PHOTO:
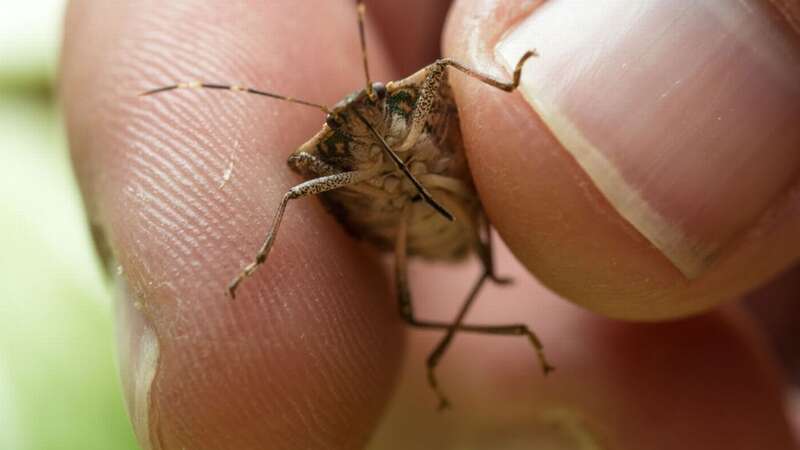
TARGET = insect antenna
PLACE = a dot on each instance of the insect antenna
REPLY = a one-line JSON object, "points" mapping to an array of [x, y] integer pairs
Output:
{"points": [[235, 88], [361, 12], [403, 168]]}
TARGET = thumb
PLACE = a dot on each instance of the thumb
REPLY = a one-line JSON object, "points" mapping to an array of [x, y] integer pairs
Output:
{"points": [[650, 167]]}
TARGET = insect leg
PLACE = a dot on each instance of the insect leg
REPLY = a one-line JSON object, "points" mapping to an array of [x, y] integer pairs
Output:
{"points": [[406, 308], [310, 187], [499, 84], [433, 76], [441, 347], [308, 163], [458, 325], [486, 253], [407, 313]]}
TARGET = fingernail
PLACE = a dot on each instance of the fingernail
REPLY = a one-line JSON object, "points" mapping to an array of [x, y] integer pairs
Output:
{"points": [[138, 359], [686, 116]]}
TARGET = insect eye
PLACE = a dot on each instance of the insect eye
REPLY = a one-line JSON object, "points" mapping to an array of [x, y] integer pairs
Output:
{"points": [[333, 121], [380, 90]]}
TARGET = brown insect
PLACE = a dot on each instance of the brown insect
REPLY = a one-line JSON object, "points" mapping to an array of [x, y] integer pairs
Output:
{"points": [[389, 164]]}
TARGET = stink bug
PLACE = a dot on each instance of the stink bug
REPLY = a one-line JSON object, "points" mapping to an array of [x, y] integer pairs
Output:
{"points": [[389, 163]]}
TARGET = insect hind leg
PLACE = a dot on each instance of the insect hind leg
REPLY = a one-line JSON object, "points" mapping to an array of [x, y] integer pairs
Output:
{"points": [[486, 254], [407, 313]]}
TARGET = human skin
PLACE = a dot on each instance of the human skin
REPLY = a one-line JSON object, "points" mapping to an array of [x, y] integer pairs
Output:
{"points": [[309, 353]]}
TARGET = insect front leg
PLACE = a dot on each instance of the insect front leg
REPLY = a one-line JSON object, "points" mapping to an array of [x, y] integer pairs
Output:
{"points": [[431, 78], [310, 187], [308, 163]]}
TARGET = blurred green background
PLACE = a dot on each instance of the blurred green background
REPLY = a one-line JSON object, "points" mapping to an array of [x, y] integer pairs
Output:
{"points": [[59, 388]]}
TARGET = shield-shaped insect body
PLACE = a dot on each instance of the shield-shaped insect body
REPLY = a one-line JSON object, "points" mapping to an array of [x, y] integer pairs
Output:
{"points": [[389, 164]]}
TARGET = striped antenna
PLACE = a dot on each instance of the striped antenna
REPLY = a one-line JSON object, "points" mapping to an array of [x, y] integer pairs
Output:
{"points": [[361, 12]]}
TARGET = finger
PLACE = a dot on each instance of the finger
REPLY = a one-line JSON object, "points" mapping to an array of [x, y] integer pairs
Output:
{"points": [[412, 30], [701, 383], [653, 170], [184, 185], [777, 310]]}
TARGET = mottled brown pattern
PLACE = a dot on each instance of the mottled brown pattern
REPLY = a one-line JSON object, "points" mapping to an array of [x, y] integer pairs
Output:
{"points": [[372, 210]]}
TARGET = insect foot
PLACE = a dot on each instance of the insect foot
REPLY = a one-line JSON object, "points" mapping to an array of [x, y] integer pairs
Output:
{"points": [[444, 403]]}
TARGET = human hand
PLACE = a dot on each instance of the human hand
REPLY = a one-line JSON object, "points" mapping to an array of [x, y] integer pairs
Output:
{"points": [[308, 353]]}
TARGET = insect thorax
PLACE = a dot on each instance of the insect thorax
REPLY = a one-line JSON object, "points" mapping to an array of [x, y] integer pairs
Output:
{"points": [[372, 210]]}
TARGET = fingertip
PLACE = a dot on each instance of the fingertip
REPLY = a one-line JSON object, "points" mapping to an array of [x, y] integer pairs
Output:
{"points": [[411, 30], [560, 209], [184, 185]]}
